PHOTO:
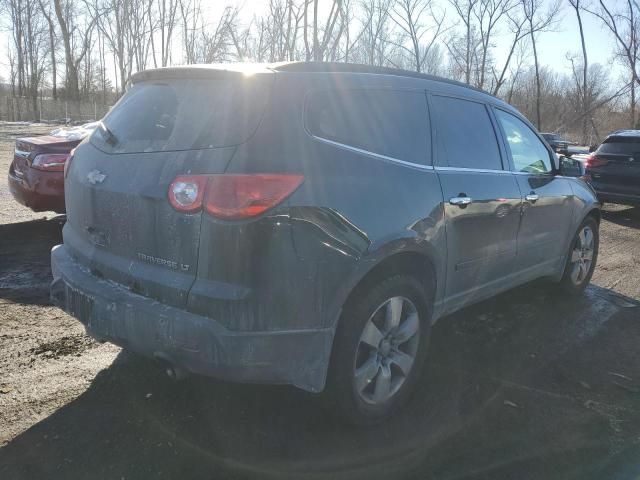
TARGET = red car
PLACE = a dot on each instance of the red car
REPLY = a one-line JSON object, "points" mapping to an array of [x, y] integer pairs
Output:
{"points": [[36, 175]]}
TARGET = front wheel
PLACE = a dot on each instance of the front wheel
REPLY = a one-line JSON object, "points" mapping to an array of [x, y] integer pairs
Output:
{"points": [[379, 349], [581, 258]]}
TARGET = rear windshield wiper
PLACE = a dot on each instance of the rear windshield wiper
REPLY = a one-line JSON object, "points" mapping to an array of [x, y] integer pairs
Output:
{"points": [[111, 138]]}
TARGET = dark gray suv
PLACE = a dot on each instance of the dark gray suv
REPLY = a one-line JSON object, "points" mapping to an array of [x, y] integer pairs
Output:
{"points": [[306, 223]]}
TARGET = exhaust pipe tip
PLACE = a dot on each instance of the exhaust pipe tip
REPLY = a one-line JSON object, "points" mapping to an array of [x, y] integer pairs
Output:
{"points": [[173, 371]]}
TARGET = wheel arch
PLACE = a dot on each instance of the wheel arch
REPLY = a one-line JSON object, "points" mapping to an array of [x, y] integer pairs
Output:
{"points": [[411, 262], [595, 213]]}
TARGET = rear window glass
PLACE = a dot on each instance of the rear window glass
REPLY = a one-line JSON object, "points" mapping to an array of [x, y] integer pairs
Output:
{"points": [[466, 138], [387, 122], [185, 114], [621, 145]]}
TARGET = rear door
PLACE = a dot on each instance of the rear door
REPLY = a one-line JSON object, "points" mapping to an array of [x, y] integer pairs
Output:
{"points": [[120, 221], [617, 168], [481, 200], [547, 208]]}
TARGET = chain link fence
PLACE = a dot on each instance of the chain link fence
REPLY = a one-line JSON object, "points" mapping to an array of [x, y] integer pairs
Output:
{"points": [[48, 110]]}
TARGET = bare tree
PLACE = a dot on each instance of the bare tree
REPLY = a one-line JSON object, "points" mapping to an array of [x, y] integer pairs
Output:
{"points": [[416, 19], [162, 21], [15, 10], [280, 29], [462, 50], [535, 18], [29, 49], [190, 16], [623, 25], [69, 30], [48, 15], [488, 13], [322, 37], [517, 26], [373, 41], [581, 86]]}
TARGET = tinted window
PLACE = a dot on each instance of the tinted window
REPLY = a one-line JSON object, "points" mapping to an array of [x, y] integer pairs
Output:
{"points": [[465, 134], [386, 122], [184, 114], [527, 150], [620, 145]]}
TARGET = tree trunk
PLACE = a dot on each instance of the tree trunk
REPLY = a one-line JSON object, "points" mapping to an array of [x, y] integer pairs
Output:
{"points": [[54, 73], [316, 46], [585, 68], [467, 76], [632, 124], [538, 86], [72, 71]]}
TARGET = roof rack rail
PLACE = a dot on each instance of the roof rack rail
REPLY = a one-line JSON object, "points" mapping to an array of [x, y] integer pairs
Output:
{"points": [[341, 67], [625, 132]]}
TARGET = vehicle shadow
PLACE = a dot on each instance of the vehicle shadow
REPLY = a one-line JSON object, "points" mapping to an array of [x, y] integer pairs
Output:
{"points": [[626, 217], [25, 270], [527, 385]]}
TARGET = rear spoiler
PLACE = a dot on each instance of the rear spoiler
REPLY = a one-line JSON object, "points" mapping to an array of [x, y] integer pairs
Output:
{"points": [[201, 71]]}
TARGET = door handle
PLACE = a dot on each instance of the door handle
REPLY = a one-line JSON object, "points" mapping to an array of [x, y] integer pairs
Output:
{"points": [[532, 197], [461, 201]]}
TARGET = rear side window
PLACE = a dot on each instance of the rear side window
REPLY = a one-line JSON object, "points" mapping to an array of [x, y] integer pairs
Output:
{"points": [[184, 114], [386, 122], [466, 138], [620, 145]]}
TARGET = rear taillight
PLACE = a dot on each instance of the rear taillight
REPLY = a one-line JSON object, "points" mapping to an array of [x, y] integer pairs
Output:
{"points": [[67, 164], [231, 197], [52, 162], [594, 161], [243, 196]]}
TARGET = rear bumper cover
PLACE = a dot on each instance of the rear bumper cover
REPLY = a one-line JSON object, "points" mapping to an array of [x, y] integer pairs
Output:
{"points": [[192, 342], [615, 197], [40, 191]]}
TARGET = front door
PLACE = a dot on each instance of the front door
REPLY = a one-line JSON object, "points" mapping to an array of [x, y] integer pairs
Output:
{"points": [[547, 207], [481, 200]]}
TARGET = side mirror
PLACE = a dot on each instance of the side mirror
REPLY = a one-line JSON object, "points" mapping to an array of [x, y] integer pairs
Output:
{"points": [[570, 167]]}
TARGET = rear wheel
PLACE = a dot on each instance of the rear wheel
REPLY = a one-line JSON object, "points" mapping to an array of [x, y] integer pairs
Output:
{"points": [[581, 258], [379, 349]]}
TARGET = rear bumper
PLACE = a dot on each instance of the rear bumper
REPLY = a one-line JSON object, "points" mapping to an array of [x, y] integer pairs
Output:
{"points": [[620, 198], [192, 342], [40, 191]]}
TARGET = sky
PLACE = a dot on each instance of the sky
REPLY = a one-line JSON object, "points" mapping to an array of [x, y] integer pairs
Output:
{"points": [[553, 46]]}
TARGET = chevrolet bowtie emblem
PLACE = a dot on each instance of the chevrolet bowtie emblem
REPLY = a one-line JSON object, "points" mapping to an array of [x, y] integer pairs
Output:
{"points": [[95, 176]]}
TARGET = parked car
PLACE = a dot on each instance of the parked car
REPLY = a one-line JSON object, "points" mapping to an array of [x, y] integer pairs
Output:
{"points": [[557, 143], [613, 170], [306, 223], [36, 176]]}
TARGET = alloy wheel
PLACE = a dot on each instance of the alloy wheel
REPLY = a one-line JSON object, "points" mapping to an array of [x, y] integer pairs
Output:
{"points": [[387, 350], [582, 255]]}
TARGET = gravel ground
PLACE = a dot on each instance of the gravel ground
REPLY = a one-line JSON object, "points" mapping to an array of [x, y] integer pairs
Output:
{"points": [[526, 385]]}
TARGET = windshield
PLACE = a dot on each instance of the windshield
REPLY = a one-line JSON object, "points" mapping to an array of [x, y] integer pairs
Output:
{"points": [[183, 115]]}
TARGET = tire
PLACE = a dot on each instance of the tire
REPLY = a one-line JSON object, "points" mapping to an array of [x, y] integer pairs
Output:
{"points": [[375, 365], [581, 258]]}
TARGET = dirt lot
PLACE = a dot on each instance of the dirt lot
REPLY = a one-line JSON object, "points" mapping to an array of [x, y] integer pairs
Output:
{"points": [[527, 385]]}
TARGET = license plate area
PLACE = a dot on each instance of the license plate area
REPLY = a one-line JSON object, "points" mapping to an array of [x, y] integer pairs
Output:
{"points": [[79, 304]]}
